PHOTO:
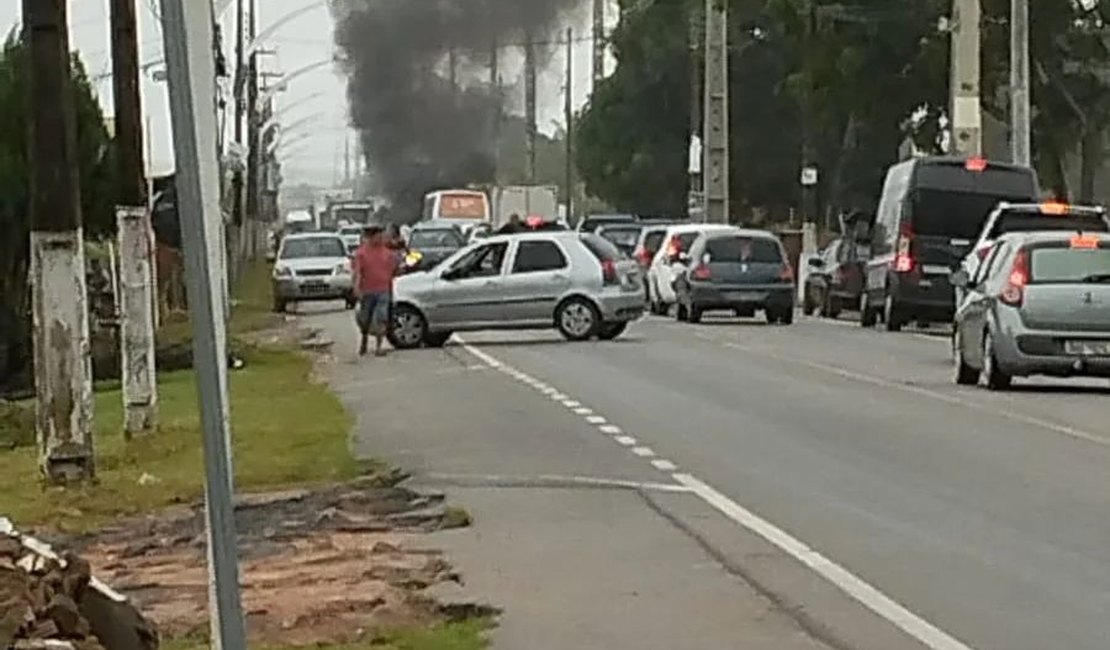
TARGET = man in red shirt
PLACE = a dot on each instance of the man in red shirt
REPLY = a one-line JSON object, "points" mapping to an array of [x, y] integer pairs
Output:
{"points": [[375, 265]]}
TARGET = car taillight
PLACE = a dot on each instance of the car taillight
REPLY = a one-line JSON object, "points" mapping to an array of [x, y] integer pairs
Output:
{"points": [[1014, 292], [643, 256], [702, 272], [609, 272], [787, 273], [903, 260]]}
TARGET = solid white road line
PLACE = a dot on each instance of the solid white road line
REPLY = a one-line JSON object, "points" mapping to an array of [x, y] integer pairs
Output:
{"points": [[544, 480], [869, 596]]}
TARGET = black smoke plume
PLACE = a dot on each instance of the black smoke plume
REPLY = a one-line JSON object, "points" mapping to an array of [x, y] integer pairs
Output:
{"points": [[419, 132]]}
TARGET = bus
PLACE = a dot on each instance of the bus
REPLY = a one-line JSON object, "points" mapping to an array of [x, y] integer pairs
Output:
{"points": [[463, 205]]}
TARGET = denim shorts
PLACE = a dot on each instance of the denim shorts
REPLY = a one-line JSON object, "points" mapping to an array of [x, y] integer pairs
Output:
{"points": [[373, 309]]}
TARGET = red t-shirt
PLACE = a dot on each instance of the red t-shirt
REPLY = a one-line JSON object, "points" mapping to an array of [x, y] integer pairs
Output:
{"points": [[376, 267]]}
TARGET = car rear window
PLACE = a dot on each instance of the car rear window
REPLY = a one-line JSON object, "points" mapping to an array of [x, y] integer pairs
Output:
{"points": [[313, 247], [602, 248], [956, 215], [653, 240], [622, 236], [1013, 221], [954, 176], [1051, 264], [756, 250]]}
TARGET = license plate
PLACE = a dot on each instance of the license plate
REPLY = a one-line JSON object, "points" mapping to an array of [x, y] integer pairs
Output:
{"points": [[315, 286], [935, 269], [746, 296], [1088, 348]]}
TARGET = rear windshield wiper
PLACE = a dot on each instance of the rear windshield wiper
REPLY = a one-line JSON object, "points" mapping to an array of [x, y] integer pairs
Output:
{"points": [[1096, 278]]}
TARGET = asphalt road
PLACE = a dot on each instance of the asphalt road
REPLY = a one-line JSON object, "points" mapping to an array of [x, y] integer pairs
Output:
{"points": [[908, 508]]}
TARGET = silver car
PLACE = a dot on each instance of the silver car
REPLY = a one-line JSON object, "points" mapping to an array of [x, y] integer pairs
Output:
{"points": [[1038, 305], [577, 283], [312, 267]]}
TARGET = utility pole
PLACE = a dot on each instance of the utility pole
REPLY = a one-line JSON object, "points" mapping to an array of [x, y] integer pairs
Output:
{"points": [[136, 295], [495, 107], [965, 111], [808, 176], [63, 368], [347, 159], [240, 102], [253, 123], [568, 116], [187, 29], [598, 41], [716, 127], [1020, 128], [695, 201], [530, 104]]}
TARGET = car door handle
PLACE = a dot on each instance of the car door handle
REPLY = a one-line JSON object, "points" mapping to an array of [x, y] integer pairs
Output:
{"points": [[558, 277]]}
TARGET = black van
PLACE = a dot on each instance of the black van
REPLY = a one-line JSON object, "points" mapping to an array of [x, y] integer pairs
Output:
{"points": [[930, 214]]}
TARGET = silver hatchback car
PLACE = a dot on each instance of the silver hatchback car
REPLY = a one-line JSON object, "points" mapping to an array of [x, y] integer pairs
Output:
{"points": [[578, 283], [1038, 305], [312, 267]]}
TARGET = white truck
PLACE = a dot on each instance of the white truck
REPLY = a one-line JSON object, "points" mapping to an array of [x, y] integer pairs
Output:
{"points": [[525, 201]]}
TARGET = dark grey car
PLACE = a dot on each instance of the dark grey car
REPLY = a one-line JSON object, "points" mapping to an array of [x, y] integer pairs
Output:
{"points": [[743, 271]]}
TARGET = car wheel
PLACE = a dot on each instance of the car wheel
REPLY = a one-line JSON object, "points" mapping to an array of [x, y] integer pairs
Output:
{"points": [[577, 319], [279, 306], [866, 313], [965, 374], [892, 315], [352, 302], [437, 339], [610, 331], [680, 313], [786, 317], [992, 375], [832, 308], [693, 314], [808, 306], [408, 328]]}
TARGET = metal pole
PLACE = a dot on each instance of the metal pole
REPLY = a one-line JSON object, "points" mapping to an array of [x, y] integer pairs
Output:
{"points": [[59, 307], [965, 112], [598, 41], [568, 116], [530, 105], [188, 37], [716, 146], [1020, 129]]}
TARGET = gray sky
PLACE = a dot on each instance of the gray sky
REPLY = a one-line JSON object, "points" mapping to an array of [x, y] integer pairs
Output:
{"points": [[318, 97]]}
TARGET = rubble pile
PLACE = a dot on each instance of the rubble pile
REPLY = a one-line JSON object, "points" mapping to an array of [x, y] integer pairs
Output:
{"points": [[39, 601]]}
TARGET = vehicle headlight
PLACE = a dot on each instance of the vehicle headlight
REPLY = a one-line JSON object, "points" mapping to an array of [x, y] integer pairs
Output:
{"points": [[283, 272], [343, 268], [413, 258]]}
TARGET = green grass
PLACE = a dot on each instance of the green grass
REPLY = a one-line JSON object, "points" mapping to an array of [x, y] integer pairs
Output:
{"points": [[465, 635], [286, 430]]}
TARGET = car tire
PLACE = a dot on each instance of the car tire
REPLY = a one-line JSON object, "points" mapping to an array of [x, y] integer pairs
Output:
{"points": [[610, 331], [867, 316], [892, 315], [680, 313], [786, 317], [437, 339], [831, 308], [965, 374], [408, 328], [351, 302], [694, 313], [808, 306], [993, 376], [577, 319], [279, 306]]}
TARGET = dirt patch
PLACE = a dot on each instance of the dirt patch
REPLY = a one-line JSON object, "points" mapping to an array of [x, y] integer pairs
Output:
{"points": [[330, 565]]}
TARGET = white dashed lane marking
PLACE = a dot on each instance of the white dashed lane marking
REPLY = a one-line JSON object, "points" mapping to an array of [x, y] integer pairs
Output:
{"points": [[863, 592]]}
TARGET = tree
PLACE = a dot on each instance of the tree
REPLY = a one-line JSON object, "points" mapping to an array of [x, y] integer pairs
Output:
{"points": [[97, 182]]}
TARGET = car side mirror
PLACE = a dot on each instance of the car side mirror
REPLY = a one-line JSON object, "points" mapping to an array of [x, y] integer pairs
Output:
{"points": [[960, 278]]}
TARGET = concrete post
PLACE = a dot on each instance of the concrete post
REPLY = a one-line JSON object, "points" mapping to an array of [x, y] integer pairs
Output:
{"points": [[716, 126], [140, 390], [965, 110]]}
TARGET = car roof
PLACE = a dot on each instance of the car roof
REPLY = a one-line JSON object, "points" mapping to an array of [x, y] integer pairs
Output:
{"points": [[311, 235], [698, 227], [1051, 236], [632, 225], [560, 235], [742, 232], [1036, 208]]}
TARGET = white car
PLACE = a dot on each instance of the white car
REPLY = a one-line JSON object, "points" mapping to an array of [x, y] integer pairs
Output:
{"points": [[670, 262]]}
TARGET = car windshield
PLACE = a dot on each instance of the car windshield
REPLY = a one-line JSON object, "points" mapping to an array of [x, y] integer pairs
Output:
{"points": [[351, 231], [313, 247], [753, 250], [603, 249], [1060, 264], [438, 238]]}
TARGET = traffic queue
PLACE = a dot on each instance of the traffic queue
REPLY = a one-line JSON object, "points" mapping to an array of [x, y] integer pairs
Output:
{"points": [[967, 243]]}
